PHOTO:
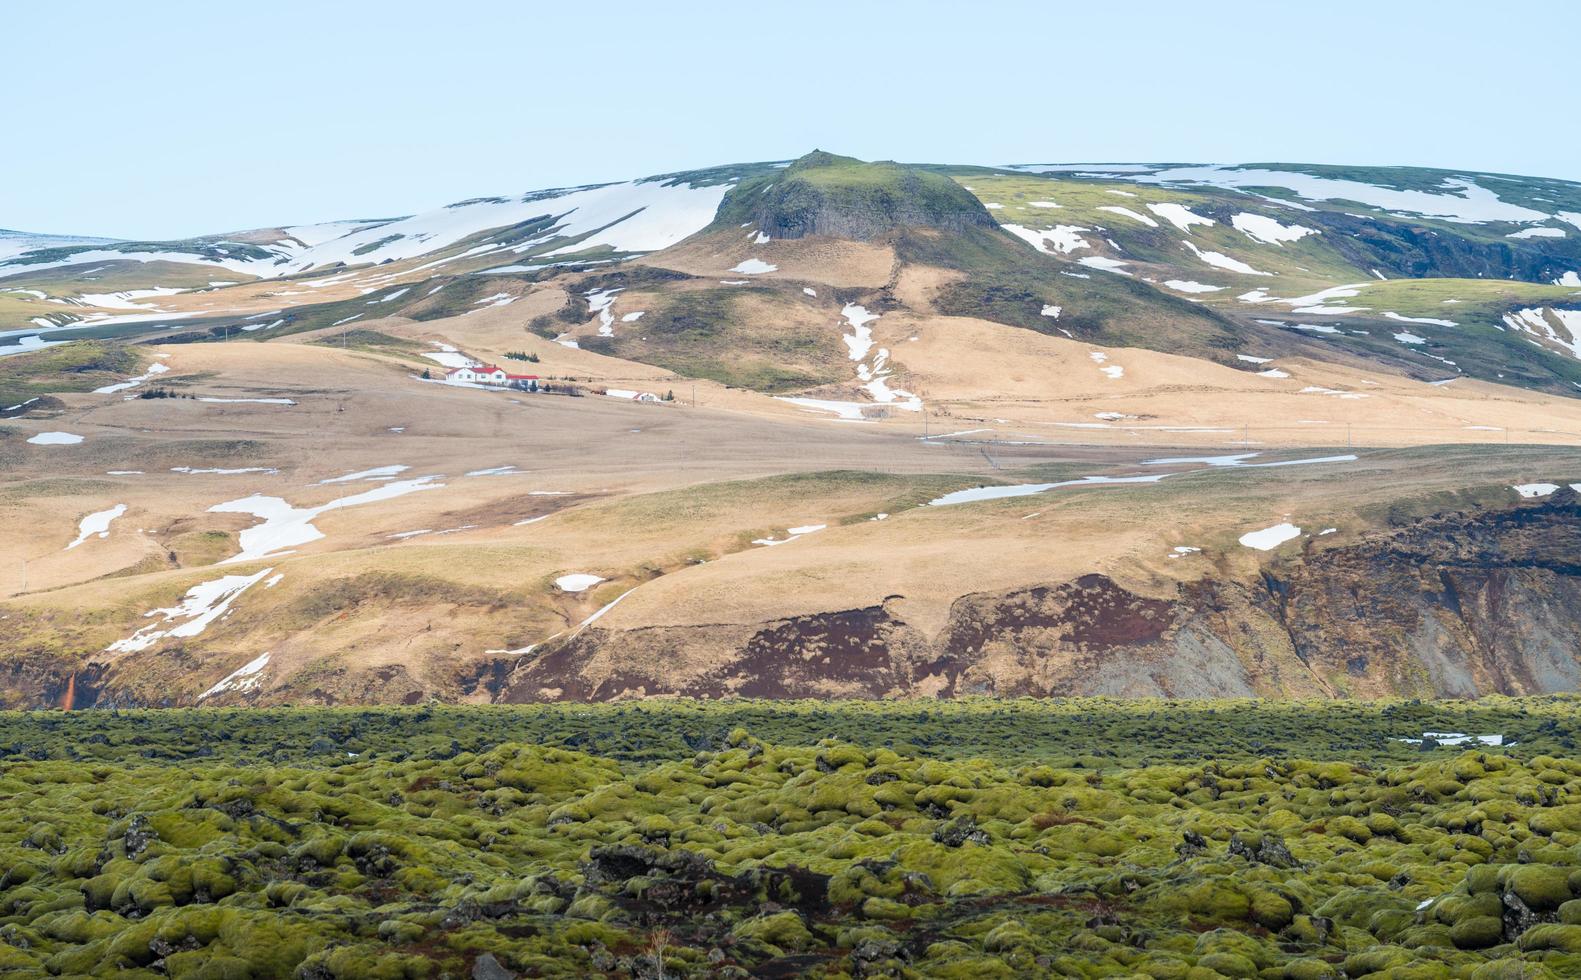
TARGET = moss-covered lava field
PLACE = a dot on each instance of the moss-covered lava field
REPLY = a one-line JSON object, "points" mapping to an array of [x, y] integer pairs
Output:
{"points": [[1076, 838]]}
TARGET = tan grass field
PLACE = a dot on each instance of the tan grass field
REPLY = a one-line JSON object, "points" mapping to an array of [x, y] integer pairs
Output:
{"points": [[665, 501]]}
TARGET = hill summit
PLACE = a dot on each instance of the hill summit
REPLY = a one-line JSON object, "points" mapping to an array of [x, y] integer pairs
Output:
{"points": [[842, 197]]}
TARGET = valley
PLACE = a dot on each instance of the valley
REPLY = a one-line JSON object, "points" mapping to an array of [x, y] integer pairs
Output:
{"points": [[845, 491], [825, 429]]}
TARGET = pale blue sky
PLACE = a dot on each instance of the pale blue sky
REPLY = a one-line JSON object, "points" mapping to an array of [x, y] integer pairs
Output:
{"points": [[170, 119]]}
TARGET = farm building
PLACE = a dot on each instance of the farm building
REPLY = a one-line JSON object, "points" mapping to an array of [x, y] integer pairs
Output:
{"points": [[490, 374]]}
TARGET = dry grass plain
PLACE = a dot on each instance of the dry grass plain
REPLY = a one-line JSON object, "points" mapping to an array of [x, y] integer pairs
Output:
{"points": [[664, 502]]}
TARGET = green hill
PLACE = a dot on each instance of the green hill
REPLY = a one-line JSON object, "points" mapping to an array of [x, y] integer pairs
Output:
{"points": [[825, 194]]}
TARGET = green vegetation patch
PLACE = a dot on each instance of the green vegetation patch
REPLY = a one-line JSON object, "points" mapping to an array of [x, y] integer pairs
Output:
{"points": [[732, 335], [825, 194], [431, 842], [79, 366], [371, 340], [1007, 282]]}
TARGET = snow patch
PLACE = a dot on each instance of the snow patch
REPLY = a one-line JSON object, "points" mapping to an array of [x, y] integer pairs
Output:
{"points": [[1460, 738], [1420, 319], [244, 678], [633, 216], [1058, 240], [1266, 231], [1128, 213], [1270, 538], [577, 582], [507, 470], [1541, 489], [1561, 328], [1027, 489], [1221, 261], [1188, 286], [286, 527], [153, 369], [249, 401], [96, 524], [1106, 264], [1179, 215], [203, 604], [1465, 200], [1239, 460], [754, 267], [377, 473], [792, 534]]}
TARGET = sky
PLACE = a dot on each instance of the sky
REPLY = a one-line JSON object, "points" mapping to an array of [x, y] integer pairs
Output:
{"points": [[167, 119]]}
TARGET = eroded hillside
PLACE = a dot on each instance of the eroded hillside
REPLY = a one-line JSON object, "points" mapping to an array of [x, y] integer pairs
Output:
{"points": [[1453, 605]]}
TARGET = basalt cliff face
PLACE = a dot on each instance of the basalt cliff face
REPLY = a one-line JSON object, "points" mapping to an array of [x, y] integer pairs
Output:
{"points": [[1453, 605]]}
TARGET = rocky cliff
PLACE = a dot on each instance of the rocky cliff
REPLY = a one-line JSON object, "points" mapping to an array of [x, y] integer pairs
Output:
{"points": [[1453, 605]]}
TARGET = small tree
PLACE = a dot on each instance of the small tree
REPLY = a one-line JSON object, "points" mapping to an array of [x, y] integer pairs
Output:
{"points": [[669, 396], [426, 376]]}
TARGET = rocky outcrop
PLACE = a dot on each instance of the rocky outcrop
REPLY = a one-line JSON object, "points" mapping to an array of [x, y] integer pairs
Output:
{"points": [[1456, 605], [1410, 251], [862, 652], [1453, 605], [45, 679]]}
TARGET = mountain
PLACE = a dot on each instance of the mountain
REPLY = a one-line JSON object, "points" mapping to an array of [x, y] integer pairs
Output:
{"points": [[1435, 273], [812, 428], [21, 242]]}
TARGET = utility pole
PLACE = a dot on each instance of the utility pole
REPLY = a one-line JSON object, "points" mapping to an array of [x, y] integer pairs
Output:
{"points": [[694, 394], [1347, 435]]}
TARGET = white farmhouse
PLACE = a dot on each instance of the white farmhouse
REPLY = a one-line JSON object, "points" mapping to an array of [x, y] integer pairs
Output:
{"points": [[490, 374]]}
